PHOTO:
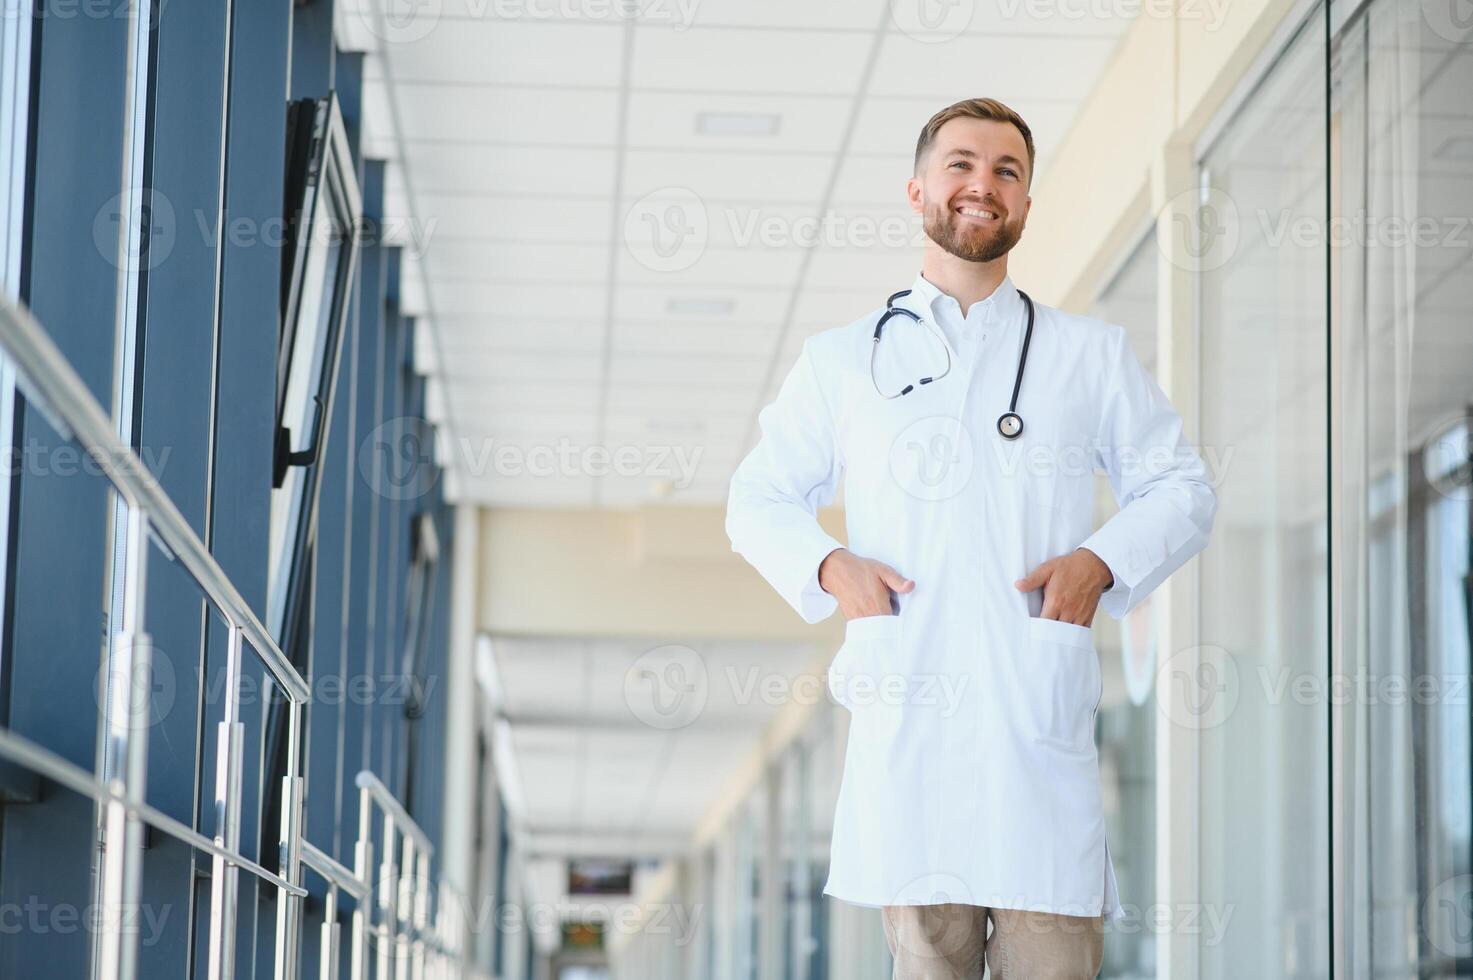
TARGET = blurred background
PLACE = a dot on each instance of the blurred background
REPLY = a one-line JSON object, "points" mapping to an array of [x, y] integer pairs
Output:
{"points": [[374, 370]]}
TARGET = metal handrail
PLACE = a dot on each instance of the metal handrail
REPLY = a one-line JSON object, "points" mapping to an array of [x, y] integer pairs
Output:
{"points": [[386, 802], [335, 872], [49, 383], [52, 386], [21, 750]]}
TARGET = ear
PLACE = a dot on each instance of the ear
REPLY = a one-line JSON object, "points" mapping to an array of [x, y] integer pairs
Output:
{"points": [[915, 192]]}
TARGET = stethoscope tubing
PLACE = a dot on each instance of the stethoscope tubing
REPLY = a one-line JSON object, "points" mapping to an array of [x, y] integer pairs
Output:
{"points": [[1010, 423]]}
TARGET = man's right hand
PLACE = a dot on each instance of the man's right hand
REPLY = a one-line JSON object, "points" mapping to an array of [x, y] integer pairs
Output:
{"points": [[862, 585]]}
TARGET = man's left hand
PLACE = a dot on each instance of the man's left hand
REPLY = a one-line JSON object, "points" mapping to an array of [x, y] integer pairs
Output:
{"points": [[1072, 585]]}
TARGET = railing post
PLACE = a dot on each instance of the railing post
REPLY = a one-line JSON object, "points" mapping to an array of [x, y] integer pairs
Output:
{"points": [[331, 932], [388, 902], [362, 869], [288, 909], [421, 912], [125, 761], [224, 876], [404, 903]]}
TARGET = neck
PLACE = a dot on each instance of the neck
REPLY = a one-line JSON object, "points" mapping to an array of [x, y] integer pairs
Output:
{"points": [[966, 282]]}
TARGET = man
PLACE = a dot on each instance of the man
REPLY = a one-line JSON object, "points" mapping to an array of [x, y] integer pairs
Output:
{"points": [[970, 796]]}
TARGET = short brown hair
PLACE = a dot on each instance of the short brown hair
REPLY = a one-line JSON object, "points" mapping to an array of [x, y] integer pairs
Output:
{"points": [[974, 109]]}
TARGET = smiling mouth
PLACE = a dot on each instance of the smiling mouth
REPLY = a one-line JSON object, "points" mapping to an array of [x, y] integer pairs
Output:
{"points": [[978, 214]]}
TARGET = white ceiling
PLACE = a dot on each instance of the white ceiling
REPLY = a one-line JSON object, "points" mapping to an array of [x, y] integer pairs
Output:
{"points": [[600, 768], [529, 159], [532, 155]]}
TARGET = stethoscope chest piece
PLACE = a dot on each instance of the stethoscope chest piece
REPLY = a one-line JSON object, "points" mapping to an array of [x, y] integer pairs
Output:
{"points": [[1010, 425]]}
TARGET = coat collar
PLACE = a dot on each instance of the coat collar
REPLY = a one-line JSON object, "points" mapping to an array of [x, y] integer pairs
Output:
{"points": [[1001, 306]]}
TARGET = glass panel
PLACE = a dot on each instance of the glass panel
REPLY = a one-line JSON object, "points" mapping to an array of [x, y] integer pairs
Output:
{"points": [[321, 282], [1405, 370], [1264, 790], [1126, 723]]}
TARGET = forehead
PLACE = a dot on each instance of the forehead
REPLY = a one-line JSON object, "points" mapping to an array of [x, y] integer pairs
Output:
{"points": [[985, 137]]}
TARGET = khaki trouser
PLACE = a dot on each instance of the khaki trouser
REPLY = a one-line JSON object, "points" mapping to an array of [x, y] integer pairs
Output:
{"points": [[950, 942]]}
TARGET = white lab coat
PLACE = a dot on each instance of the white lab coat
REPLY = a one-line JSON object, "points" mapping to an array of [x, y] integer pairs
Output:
{"points": [[970, 773]]}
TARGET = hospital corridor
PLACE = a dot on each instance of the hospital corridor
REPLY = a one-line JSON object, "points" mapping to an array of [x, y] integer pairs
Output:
{"points": [[736, 489]]}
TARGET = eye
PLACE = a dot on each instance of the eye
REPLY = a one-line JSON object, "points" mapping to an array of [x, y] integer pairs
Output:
{"points": [[959, 163], [1009, 171]]}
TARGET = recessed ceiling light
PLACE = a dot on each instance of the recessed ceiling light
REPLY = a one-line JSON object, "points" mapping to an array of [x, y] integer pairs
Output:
{"points": [[737, 123], [681, 427], [700, 307]]}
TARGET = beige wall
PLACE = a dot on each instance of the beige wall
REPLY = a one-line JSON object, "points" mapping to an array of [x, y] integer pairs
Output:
{"points": [[1167, 81], [656, 571]]}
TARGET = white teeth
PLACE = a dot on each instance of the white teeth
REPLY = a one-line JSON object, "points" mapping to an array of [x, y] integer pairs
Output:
{"points": [[977, 213]]}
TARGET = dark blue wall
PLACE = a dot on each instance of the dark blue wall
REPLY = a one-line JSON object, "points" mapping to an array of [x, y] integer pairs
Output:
{"points": [[207, 337]]}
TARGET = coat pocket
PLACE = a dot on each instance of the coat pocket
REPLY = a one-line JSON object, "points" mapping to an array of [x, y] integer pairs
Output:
{"points": [[864, 673], [1063, 684]]}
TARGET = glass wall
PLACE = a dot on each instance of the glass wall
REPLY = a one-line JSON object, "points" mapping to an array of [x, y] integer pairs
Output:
{"points": [[1126, 721], [1402, 170], [1265, 776]]}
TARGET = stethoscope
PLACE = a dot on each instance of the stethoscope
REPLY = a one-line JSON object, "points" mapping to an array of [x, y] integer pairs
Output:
{"points": [[1010, 423]]}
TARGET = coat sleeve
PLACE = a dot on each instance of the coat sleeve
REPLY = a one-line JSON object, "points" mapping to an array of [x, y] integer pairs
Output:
{"points": [[1166, 503], [777, 489]]}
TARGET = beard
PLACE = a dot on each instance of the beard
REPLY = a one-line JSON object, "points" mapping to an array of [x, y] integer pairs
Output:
{"points": [[974, 243]]}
